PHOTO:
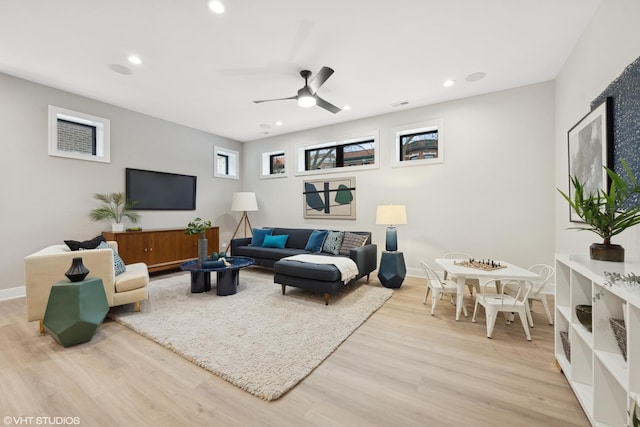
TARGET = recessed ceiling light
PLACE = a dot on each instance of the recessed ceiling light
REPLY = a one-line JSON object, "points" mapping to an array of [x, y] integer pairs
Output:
{"points": [[216, 6], [278, 123], [449, 83], [476, 76], [400, 103], [134, 59], [347, 107]]}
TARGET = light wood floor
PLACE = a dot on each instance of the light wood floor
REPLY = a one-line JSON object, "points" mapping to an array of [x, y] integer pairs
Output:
{"points": [[403, 367]]}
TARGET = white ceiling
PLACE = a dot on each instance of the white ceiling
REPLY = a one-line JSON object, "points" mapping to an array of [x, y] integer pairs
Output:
{"points": [[204, 70]]}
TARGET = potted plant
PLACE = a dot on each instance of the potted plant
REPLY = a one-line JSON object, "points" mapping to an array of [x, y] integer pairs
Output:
{"points": [[606, 213], [199, 226], [115, 207]]}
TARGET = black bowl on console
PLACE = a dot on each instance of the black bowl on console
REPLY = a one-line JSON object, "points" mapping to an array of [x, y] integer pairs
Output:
{"points": [[584, 315]]}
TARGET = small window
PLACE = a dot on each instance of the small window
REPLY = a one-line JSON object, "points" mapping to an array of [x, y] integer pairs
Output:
{"points": [[419, 145], [356, 152], [78, 135], [320, 158], [273, 164], [226, 163]]}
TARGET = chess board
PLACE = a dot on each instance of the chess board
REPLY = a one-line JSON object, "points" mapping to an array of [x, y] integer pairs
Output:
{"points": [[479, 265]]}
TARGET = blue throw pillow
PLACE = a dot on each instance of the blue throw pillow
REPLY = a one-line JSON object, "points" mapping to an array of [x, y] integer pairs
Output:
{"points": [[277, 241], [259, 234], [314, 244]]}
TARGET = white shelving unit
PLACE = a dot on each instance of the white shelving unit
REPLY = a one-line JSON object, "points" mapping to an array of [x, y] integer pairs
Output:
{"points": [[604, 383]]}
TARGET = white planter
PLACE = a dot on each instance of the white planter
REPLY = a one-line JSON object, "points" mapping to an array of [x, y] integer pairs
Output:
{"points": [[117, 226]]}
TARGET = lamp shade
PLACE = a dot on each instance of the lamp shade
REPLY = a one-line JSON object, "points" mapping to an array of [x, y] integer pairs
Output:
{"points": [[244, 201], [391, 214]]}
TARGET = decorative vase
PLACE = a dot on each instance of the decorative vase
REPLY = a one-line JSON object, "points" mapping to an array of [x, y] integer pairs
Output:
{"points": [[202, 249], [117, 226], [77, 271], [583, 313], [604, 252]]}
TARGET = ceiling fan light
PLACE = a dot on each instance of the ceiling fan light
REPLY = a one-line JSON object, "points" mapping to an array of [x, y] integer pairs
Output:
{"points": [[306, 101], [216, 6]]}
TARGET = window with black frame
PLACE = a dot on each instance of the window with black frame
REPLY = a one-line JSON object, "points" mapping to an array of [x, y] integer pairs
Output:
{"points": [[276, 163], [341, 155], [419, 145], [222, 163]]}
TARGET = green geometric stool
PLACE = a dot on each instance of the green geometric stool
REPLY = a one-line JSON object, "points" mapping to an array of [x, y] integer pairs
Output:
{"points": [[75, 310]]}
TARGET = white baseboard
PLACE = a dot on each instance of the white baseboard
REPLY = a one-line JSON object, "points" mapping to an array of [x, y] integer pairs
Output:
{"points": [[415, 272], [12, 293]]}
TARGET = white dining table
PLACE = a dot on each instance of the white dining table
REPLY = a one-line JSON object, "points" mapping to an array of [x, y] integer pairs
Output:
{"points": [[462, 273]]}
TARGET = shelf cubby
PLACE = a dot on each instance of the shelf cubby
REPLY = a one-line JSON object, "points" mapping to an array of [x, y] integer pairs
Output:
{"points": [[610, 398], [581, 355], [633, 347]]}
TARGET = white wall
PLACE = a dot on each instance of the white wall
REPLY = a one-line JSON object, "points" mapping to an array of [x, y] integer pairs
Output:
{"points": [[609, 43], [46, 200], [493, 196]]}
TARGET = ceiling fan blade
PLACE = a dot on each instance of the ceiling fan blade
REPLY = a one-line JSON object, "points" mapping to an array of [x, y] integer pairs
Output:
{"points": [[276, 99], [320, 78], [327, 105]]}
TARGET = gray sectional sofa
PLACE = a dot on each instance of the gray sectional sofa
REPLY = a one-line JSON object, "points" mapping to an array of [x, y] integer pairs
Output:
{"points": [[322, 278]]}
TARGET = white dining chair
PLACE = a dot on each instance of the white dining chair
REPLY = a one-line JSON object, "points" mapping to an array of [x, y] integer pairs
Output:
{"points": [[495, 303], [438, 286], [537, 293], [471, 283]]}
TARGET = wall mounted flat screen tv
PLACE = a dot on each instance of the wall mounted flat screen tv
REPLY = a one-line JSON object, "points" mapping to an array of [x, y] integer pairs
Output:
{"points": [[161, 190]]}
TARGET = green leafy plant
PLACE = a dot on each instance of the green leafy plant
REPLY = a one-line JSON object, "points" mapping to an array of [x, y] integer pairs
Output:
{"points": [[629, 278], [198, 226], [604, 212], [114, 207]]}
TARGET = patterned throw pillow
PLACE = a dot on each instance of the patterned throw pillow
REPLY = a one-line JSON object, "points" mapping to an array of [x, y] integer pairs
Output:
{"points": [[350, 241], [332, 242], [118, 263]]}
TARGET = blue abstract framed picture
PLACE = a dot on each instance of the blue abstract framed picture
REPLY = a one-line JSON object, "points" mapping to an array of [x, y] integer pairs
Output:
{"points": [[333, 198]]}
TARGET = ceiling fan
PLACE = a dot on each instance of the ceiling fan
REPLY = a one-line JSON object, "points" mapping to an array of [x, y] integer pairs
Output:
{"points": [[307, 96]]}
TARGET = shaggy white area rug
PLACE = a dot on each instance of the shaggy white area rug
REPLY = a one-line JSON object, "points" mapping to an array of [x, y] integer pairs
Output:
{"points": [[258, 339]]}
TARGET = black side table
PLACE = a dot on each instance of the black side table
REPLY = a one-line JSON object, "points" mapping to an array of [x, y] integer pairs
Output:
{"points": [[392, 269], [227, 276]]}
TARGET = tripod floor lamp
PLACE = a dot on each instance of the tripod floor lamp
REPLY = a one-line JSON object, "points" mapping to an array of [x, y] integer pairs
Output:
{"points": [[243, 202]]}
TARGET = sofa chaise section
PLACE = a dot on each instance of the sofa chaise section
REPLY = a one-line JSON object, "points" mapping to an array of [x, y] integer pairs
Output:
{"points": [[320, 278]]}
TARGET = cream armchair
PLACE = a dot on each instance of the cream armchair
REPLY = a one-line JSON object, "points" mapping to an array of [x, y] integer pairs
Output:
{"points": [[47, 266]]}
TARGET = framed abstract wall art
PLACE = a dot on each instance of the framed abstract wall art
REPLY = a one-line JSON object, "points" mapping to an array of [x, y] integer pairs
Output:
{"points": [[333, 198], [590, 146]]}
